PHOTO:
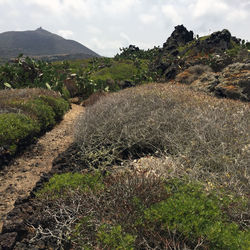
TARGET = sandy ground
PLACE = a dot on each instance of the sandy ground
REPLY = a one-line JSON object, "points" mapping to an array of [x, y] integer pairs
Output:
{"points": [[18, 179]]}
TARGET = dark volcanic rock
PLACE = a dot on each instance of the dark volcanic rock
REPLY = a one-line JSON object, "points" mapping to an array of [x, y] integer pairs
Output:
{"points": [[179, 37], [168, 61], [216, 42], [181, 51]]}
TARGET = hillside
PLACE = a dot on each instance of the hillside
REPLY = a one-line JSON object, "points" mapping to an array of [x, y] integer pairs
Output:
{"points": [[40, 43], [158, 157]]}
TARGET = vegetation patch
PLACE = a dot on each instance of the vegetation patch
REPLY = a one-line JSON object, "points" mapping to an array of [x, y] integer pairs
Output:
{"points": [[118, 71], [58, 184], [197, 215], [26, 113], [135, 210], [196, 130], [15, 128]]}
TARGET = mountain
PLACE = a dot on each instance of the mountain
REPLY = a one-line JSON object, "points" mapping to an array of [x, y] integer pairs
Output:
{"points": [[41, 43]]}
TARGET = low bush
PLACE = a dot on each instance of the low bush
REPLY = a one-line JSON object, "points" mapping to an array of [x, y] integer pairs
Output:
{"points": [[16, 129], [196, 214], [192, 73], [59, 105], [28, 93], [136, 210], [112, 237], [58, 184], [43, 112], [199, 132], [25, 113]]}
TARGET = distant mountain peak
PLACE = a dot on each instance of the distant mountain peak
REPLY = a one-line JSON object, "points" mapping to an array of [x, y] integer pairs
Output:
{"points": [[38, 43], [40, 29]]}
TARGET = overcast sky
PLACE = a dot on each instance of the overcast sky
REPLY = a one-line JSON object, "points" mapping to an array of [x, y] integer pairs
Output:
{"points": [[107, 25]]}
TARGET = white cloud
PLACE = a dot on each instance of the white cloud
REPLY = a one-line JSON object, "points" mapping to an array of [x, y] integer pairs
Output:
{"points": [[125, 37], [51, 6], [4, 2], [147, 18], [172, 13], [212, 7], [117, 7], [109, 46], [77, 8], [93, 30], [65, 33], [236, 15]]}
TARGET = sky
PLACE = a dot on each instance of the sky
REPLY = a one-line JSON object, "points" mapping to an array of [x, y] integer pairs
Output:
{"points": [[107, 25]]}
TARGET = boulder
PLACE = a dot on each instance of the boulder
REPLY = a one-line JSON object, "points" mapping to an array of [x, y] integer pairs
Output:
{"points": [[207, 82], [235, 82], [232, 82], [217, 41], [179, 37]]}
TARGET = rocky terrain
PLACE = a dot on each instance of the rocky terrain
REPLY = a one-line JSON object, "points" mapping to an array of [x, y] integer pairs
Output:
{"points": [[223, 60]]}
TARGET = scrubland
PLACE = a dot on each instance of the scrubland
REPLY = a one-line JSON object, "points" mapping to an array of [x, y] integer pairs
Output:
{"points": [[198, 198]]}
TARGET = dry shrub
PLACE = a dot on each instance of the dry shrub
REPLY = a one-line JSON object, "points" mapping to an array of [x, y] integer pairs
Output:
{"points": [[10, 97], [27, 93], [192, 73], [71, 86], [74, 219], [94, 98], [207, 135]]}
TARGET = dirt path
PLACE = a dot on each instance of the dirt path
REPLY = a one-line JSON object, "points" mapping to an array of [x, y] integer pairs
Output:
{"points": [[18, 179]]}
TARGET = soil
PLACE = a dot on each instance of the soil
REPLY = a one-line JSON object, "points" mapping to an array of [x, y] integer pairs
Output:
{"points": [[19, 179]]}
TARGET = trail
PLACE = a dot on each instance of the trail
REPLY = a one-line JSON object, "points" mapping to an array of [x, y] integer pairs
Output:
{"points": [[18, 179]]}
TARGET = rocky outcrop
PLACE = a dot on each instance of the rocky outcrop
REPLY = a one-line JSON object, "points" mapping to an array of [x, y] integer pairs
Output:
{"points": [[217, 42], [179, 37], [181, 51], [232, 82], [167, 61]]}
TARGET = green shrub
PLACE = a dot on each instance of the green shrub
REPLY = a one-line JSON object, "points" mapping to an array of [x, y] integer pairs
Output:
{"points": [[43, 112], [65, 93], [25, 113], [28, 73], [70, 181], [16, 128], [114, 238], [37, 109], [196, 214], [59, 105], [118, 71]]}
